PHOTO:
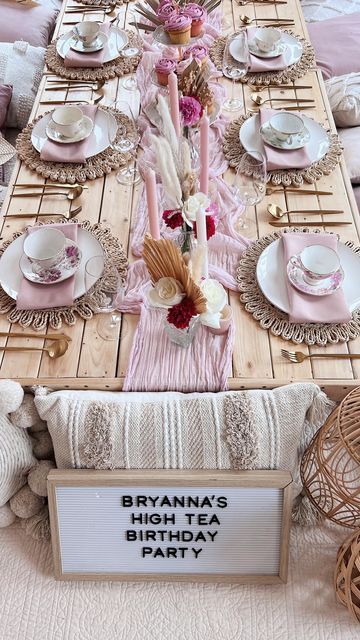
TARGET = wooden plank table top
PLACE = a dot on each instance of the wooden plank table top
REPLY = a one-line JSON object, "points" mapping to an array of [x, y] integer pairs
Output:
{"points": [[92, 363]]}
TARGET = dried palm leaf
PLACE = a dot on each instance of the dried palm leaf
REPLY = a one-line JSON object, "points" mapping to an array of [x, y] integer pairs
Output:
{"points": [[164, 260]]}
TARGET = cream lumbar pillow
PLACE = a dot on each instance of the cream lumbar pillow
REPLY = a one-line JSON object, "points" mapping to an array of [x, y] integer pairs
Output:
{"points": [[351, 140], [344, 97], [21, 66]]}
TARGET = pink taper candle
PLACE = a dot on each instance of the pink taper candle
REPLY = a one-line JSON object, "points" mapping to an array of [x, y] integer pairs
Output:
{"points": [[152, 204], [201, 236], [204, 154], [174, 101]]}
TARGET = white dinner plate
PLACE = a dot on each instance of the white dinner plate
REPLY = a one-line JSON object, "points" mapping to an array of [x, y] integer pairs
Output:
{"points": [[293, 49], [316, 148], [116, 41], [98, 140], [10, 272], [271, 275]]}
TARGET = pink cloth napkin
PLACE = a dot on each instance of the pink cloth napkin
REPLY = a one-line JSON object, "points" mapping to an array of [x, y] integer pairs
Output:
{"points": [[88, 60], [39, 296], [305, 308], [72, 152], [264, 64], [279, 159]]}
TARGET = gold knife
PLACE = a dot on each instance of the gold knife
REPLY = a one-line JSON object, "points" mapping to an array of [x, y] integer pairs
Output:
{"points": [[332, 223]]}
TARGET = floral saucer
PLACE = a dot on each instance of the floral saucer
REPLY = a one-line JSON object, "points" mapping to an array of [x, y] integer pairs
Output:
{"points": [[99, 44], [85, 129], [298, 141], [326, 288], [62, 271]]}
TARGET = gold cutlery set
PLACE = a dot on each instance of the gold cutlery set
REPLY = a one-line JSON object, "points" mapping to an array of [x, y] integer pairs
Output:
{"points": [[297, 357]]}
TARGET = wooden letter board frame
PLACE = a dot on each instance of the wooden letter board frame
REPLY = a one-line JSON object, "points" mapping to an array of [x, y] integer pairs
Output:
{"points": [[170, 479]]}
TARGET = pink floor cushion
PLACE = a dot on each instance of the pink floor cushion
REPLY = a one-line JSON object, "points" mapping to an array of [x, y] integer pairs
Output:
{"points": [[5, 98], [33, 24], [336, 44]]}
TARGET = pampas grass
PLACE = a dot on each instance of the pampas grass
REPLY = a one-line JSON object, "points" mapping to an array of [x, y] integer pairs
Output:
{"points": [[167, 169], [164, 260]]}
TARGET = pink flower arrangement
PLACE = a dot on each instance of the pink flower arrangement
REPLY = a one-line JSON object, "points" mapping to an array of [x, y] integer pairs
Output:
{"points": [[191, 110]]}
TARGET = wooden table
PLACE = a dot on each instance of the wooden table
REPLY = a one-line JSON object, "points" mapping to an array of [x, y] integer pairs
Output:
{"points": [[92, 363]]}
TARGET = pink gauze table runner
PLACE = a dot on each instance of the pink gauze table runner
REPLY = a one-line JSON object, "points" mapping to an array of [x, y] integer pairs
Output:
{"points": [[279, 159], [38, 296], [92, 59], [72, 152], [306, 308]]}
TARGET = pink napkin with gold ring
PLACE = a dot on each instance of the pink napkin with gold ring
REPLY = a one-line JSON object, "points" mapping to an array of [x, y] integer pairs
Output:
{"points": [[258, 65], [88, 60], [279, 158], [40, 296], [73, 151], [304, 308]]}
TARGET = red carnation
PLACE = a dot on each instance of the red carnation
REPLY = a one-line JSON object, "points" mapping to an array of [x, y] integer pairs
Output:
{"points": [[173, 218], [181, 314], [210, 227]]}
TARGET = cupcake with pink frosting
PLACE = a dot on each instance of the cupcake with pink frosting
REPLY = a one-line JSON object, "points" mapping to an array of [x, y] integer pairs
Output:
{"points": [[197, 52], [178, 28], [166, 10], [198, 17], [163, 68]]}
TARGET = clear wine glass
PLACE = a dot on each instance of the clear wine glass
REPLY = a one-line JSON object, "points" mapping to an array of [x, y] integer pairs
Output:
{"points": [[108, 299], [126, 143], [235, 68], [130, 82], [249, 183]]}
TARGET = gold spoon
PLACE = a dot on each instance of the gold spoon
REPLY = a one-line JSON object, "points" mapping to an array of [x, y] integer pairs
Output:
{"points": [[247, 20], [54, 350], [50, 185], [91, 102], [107, 10], [277, 212], [271, 190], [259, 100], [281, 87], [95, 85], [45, 336], [67, 215], [70, 87], [72, 194]]}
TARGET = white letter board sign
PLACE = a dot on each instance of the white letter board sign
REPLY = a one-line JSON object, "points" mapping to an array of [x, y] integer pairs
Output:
{"points": [[225, 526]]}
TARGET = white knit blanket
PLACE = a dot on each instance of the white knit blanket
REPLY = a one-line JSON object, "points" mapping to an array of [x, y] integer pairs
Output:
{"points": [[242, 430]]}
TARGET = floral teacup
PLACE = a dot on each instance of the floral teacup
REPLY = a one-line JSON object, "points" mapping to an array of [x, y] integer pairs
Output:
{"points": [[45, 248]]}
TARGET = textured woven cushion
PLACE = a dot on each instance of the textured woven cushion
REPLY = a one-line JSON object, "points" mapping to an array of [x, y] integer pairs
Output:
{"points": [[5, 97], [245, 430], [351, 141], [357, 195], [21, 65], [344, 97], [336, 44], [16, 459], [33, 24], [315, 10]]}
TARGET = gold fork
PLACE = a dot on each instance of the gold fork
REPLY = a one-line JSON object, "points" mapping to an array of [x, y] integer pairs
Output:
{"points": [[298, 356]]}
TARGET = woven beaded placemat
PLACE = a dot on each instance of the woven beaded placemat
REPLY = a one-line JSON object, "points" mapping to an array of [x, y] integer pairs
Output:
{"points": [[84, 306], [233, 151], [291, 73], [94, 167], [118, 67], [276, 321]]}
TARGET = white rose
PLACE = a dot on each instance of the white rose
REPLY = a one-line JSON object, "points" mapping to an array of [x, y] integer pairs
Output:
{"points": [[193, 204], [165, 293], [216, 299]]}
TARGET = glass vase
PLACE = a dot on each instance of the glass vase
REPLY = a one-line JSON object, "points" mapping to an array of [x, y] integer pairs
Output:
{"points": [[182, 337], [186, 241]]}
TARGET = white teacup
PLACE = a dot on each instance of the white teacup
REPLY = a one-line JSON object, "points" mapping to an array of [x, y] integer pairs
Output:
{"points": [[45, 248], [286, 125], [317, 263], [87, 32], [67, 120], [267, 39]]}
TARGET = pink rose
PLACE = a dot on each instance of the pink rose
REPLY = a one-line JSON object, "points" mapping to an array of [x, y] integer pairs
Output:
{"points": [[191, 110]]}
